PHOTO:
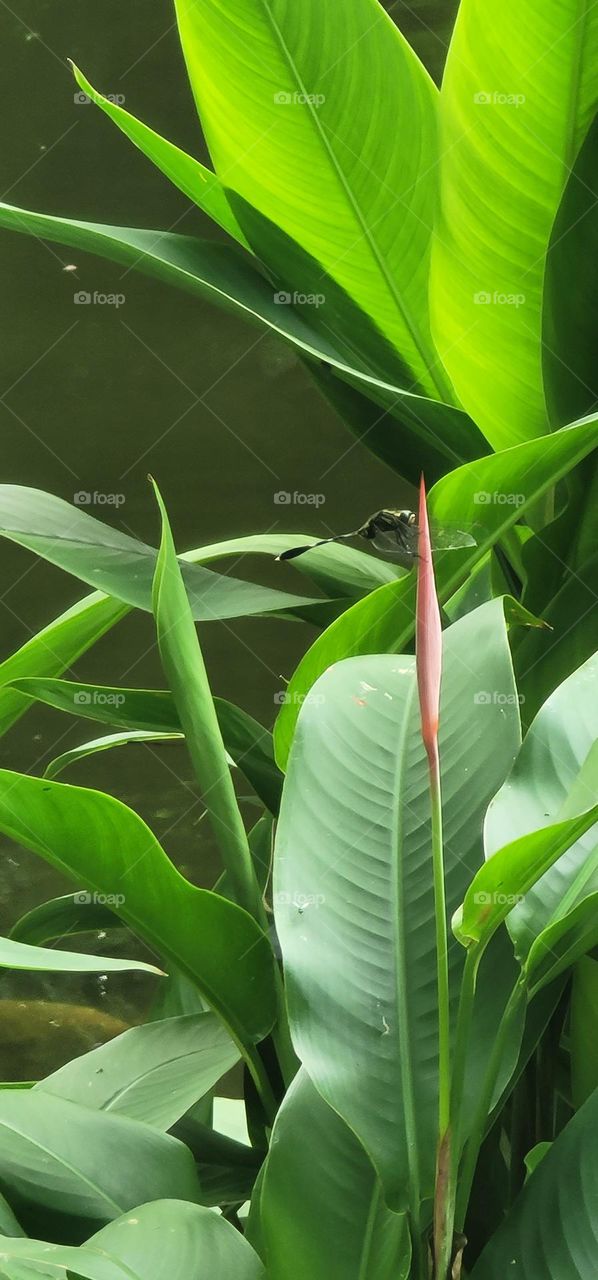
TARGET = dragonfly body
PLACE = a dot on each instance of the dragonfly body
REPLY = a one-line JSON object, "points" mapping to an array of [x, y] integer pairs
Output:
{"points": [[394, 533]]}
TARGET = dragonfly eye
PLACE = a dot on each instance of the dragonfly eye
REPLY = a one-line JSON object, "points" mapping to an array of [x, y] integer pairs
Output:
{"points": [[411, 518]]}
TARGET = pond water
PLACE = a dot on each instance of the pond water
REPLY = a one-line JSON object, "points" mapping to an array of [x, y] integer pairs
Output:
{"points": [[95, 396]]}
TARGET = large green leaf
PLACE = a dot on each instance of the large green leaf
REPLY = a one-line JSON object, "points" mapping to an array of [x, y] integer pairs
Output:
{"points": [[153, 712], [185, 670], [62, 917], [511, 872], [584, 1030], [191, 177], [69, 1159], [68, 537], [164, 1240], [518, 96], [571, 610], [20, 955], [551, 1232], [571, 292], [107, 743], [281, 105], [321, 1208], [153, 1073], [55, 648], [354, 899], [549, 766], [487, 496], [214, 271], [102, 843]]}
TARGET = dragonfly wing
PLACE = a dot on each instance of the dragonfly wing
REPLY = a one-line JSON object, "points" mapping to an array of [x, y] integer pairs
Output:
{"points": [[446, 538]]}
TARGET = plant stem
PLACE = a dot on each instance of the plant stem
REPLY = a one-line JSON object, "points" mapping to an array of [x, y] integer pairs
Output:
{"points": [[476, 1136], [443, 1234]]}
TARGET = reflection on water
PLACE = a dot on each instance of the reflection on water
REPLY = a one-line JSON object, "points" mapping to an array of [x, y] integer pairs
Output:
{"points": [[97, 395]]}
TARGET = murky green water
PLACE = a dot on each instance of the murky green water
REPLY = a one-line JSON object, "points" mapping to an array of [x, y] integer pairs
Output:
{"points": [[96, 396]]}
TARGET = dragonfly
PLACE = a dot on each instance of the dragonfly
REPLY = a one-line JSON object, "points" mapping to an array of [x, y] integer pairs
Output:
{"points": [[394, 534]]}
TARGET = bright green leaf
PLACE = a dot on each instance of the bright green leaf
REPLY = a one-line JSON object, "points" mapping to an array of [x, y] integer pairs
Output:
{"points": [[519, 93]]}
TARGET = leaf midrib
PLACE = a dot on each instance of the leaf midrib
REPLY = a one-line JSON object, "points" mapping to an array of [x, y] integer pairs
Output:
{"points": [[413, 329]]}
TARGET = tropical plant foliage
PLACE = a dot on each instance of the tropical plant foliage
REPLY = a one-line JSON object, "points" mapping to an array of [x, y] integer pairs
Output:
{"points": [[400, 949]]}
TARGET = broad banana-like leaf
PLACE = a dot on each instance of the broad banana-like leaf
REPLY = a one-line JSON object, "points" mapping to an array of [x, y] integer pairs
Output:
{"points": [[283, 114], [519, 94], [354, 899], [551, 1231]]}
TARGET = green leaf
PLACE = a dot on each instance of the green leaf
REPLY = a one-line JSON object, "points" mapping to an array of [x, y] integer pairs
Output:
{"points": [[152, 1073], [184, 667], [542, 664], [62, 917], [354, 898], [214, 271], [511, 872], [322, 1212], [55, 648], [571, 290], [548, 774], [338, 570], [8, 1223], [283, 117], [19, 955], [153, 712], [212, 941], [488, 497], [191, 177], [164, 1240], [550, 1233], [66, 536], [66, 1158], [583, 1041], [518, 96], [409, 433], [106, 743]]}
